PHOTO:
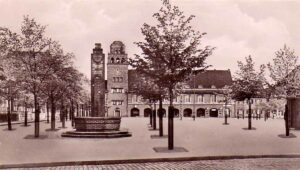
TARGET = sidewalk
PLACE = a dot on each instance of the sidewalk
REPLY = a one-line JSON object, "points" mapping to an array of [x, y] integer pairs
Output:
{"points": [[205, 137]]}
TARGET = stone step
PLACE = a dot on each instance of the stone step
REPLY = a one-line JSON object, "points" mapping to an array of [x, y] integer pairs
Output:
{"points": [[97, 132], [108, 135]]}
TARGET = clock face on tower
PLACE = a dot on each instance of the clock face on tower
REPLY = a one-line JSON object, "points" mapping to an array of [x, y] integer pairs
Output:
{"points": [[97, 58]]}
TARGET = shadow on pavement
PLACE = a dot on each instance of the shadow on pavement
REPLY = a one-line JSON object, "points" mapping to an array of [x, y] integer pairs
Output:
{"points": [[24, 125], [166, 150], [6, 129], [158, 137], [284, 136], [249, 129], [52, 130], [33, 137]]}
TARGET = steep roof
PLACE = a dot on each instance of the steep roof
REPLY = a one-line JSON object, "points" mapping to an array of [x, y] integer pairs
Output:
{"points": [[208, 78]]}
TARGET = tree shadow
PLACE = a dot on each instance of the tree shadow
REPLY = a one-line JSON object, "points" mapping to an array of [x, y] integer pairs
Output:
{"points": [[6, 129], [166, 150], [33, 137], [253, 128], [158, 137], [52, 130], [290, 136], [24, 125]]}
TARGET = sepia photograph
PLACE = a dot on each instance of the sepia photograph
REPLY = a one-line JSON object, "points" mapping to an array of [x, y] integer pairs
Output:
{"points": [[149, 84]]}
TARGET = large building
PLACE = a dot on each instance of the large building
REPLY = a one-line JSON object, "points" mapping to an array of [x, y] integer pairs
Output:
{"points": [[200, 96]]}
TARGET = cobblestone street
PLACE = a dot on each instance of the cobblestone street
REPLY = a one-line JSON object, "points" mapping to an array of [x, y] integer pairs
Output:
{"points": [[233, 164]]}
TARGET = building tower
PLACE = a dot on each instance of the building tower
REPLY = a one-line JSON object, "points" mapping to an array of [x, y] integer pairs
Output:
{"points": [[98, 82], [117, 80]]}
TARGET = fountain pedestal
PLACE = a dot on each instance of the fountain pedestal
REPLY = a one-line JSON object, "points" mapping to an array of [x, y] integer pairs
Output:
{"points": [[97, 127]]}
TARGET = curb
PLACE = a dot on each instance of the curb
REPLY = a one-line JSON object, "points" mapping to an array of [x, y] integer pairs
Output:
{"points": [[151, 160]]}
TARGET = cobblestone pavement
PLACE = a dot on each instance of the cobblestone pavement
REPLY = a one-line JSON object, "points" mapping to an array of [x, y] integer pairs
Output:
{"points": [[233, 164]]}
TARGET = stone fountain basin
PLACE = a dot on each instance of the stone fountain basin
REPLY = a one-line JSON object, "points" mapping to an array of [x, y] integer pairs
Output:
{"points": [[97, 123]]}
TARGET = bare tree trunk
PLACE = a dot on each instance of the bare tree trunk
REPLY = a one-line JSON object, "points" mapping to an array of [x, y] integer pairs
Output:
{"points": [[53, 110], [9, 115], [47, 107], [249, 115], [171, 122], [37, 117], [26, 116], [286, 118], [151, 115], [77, 110], [63, 119], [154, 116], [160, 115]]}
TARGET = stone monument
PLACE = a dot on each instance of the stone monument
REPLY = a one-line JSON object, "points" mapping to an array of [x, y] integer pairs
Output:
{"points": [[99, 124]]}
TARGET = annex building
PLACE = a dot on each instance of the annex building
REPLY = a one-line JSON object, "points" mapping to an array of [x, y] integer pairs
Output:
{"points": [[201, 95]]}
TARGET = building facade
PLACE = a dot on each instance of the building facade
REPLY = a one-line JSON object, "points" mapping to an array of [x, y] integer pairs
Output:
{"points": [[201, 96], [117, 80]]}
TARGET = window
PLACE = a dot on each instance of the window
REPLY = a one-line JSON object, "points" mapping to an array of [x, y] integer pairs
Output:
{"points": [[117, 102], [213, 98], [200, 98], [123, 60], [118, 79], [187, 98], [117, 90]]}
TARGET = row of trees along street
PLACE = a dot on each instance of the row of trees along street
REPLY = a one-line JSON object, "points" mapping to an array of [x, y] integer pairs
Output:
{"points": [[37, 71], [171, 52], [283, 80]]}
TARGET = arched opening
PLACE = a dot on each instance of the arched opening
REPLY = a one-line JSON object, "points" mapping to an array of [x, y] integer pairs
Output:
{"points": [[176, 112], [112, 60], [117, 60], [200, 112], [123, 60], [135, 112], [147, 112], [163, 112], [117, 112], [213, 112], [187, 112]]}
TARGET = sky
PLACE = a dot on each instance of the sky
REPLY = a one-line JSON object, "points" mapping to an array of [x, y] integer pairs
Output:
{"points": [[236, 28]]}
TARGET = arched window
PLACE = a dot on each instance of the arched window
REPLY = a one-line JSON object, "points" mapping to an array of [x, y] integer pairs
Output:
{"points": [[123, 60], [112, 60], [117, 60]]}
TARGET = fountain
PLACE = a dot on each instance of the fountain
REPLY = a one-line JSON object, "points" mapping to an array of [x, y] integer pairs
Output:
{"points": [[98, 124]]}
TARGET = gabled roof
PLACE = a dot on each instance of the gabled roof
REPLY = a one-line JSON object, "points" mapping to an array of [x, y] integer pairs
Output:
{"points": [[206, 79], [209, 78]]}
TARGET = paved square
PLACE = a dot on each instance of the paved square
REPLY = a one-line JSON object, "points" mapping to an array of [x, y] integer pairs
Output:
{"points": [[202, 137]]}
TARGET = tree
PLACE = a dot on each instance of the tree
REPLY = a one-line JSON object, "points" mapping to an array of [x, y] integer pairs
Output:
{"points": [[227, 94], [170, 52], [248, 84], [29, 52], [285, 80], [9, 87], [150, 91]]}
